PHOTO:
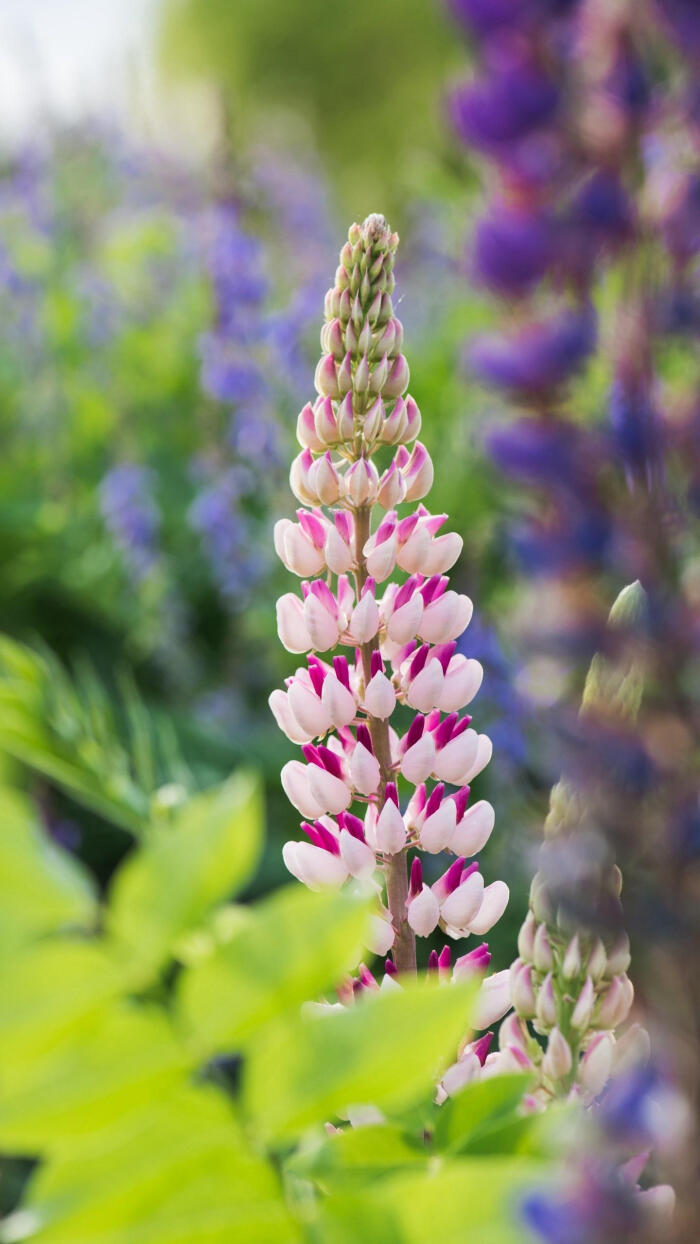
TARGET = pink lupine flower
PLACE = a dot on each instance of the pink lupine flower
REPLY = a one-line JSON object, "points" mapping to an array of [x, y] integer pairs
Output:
{"points": [[398, 648]]}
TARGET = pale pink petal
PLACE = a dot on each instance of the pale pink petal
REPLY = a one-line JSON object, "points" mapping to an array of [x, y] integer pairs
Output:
{"points": [[338, 702], [285, 718], [380, 697], [463, 903], [301, 556], [494, 903], [295, 781], [307, 708], [443, 553], [364, 770], [493, 1000], [313, 866], [320, 624], [364, 622], [357, 856], [484, 753], [390, 829], [291, 626], [437, 829], [423, 912], [452, 761], [404, 623], [418, 762], [462, 681], [337, 553], [380, 936], [424, 690], [445, 618], [474, 829]]}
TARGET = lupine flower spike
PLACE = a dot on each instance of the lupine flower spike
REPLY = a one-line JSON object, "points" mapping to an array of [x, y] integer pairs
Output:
{"points": [[376, 705], [570, 979]]}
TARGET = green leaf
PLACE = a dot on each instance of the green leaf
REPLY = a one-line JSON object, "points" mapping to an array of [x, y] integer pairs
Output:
{"points": [[42, 889], [288, 949], [205, 854], [460, 1202], [48, 991], [111, 1062], [478, 1108], [387, 1050], [109, 753], [358, 1155], [176, 1171], [46, 724]]}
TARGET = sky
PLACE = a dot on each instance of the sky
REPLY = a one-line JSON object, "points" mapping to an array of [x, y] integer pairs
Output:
{"points": [[64, 58]]}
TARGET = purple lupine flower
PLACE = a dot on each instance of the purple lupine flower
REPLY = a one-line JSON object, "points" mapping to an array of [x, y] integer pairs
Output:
{"points": [[539, 358], [681, 18], [501, 111], [219, 518], [132, 516], [600, 1208], [504, 712], [513, 249], [635, 428]]}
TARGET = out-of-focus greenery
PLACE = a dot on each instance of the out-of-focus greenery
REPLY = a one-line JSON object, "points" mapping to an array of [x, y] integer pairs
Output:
{"points": [[160, 1083], [367, 77]]}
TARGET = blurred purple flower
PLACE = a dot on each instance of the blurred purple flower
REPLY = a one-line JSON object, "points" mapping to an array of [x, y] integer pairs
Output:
{"points": [[502, 711], [493, 114], [542, 451], [132, 516], [681, 226], [599, 1208], [682, 19], [228, 374], [513, 249], [487, 17], [599, 220], [629, 84], [538, 358], [226, 534], [635, 427]]}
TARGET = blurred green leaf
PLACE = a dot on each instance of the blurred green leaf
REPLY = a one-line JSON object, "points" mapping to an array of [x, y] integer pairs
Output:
{"points": [[175, 1172], [460, 1202], [47, 723], [386, 1051], [48, 991], [42, 887], [117, 1059], [477, 1109], [358, 1155], [289, 949], [203, 856]]}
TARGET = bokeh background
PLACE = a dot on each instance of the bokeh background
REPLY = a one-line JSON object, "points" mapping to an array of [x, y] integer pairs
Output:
{"points": [[176, 179]]}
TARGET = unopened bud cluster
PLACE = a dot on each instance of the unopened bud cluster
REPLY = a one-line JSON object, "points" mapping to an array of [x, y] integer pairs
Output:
{"points": [[370, 654], [573, 989], [569, 983], [361, 379]]}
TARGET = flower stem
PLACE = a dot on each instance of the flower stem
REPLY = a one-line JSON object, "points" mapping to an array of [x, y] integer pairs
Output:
{"points": [[396, 869]]}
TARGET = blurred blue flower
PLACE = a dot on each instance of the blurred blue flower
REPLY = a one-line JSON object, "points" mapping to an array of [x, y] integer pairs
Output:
{"points": [[636, 432], [502, 711], [132, 516], [225, 530]]}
